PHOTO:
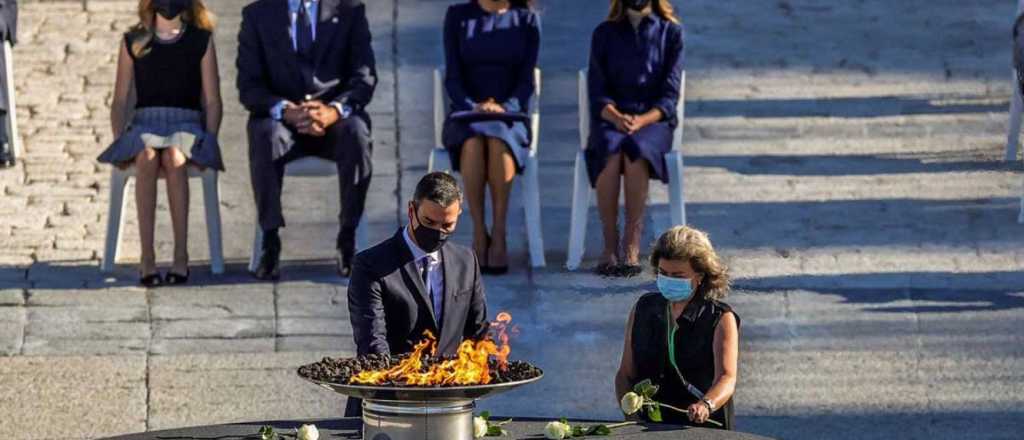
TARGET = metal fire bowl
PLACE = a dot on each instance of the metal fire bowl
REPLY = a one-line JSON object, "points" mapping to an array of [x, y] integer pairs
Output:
{"points": [[422, 394]]}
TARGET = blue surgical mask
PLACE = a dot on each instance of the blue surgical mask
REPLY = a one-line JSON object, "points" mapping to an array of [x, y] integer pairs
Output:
{"points": [[674, 289]]}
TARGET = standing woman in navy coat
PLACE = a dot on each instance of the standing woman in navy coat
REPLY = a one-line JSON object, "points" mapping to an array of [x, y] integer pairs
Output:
{"points": [[636, 66], [491, 49]]}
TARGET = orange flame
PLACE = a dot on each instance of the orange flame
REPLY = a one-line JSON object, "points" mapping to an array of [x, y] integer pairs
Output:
{"points": [[469, 367]]}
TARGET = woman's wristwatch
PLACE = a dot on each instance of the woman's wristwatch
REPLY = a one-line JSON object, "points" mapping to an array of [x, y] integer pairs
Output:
{"points": [[708, 403]]}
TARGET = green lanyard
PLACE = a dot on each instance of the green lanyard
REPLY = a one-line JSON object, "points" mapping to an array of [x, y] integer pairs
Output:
{"points": [[671, 325]]}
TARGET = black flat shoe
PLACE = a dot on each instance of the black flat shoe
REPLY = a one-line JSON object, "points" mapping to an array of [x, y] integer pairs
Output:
{"points": [[630, 270], [607, 270], [151, 280], [173, 279]]}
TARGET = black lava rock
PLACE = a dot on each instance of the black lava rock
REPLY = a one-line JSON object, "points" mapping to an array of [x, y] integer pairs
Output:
{"points": [[341, 370]]}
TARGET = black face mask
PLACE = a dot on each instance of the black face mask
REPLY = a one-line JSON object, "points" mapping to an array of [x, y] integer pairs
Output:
{"points": [[637, 5], [169, 9], [429, 239]]}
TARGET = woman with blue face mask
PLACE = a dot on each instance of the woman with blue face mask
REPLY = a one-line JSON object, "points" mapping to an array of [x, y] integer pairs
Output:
{"points": [[683, 337]]}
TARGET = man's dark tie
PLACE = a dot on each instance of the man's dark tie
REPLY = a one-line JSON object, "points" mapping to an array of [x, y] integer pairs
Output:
{"points": [[304, 33], [430, 290], [426, 279]]}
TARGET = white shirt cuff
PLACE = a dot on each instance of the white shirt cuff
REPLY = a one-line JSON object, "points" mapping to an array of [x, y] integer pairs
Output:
{"points": [[343, 110], [277, 111]]}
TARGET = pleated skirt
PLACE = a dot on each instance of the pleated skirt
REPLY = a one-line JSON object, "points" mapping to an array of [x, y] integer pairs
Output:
{"points": [[166, 127]]}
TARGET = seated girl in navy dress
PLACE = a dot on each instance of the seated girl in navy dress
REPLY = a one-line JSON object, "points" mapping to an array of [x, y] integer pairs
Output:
{"points": [[636, 65], [168, 67], [491, 51]]}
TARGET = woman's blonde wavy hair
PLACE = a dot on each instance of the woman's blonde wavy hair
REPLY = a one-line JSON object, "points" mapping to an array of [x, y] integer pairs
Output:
{"points": [[663, 8], [688, 244], [142, 33]]}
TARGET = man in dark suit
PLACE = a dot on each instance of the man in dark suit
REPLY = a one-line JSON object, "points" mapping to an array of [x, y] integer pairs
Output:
{"points": [[306, 73], [8, 33], [417, 281]]}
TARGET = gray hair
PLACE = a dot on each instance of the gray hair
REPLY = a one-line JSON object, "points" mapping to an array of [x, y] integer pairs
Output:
{"points": [[438, 187]]}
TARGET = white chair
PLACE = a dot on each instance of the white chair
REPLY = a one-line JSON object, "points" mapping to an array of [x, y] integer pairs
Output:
{"points": [[581, 192], [12, 115], [115, 218], [529, 185], [309, 166], [1016, 105], [1020, 217]]}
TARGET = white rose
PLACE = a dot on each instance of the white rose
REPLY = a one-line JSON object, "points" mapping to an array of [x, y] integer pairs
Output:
{"points": [[308, 432], [631, 403], [479, 427], [557, 431]]}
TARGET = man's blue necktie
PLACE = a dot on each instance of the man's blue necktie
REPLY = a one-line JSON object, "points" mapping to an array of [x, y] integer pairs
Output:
{"points": [[304, 33]]}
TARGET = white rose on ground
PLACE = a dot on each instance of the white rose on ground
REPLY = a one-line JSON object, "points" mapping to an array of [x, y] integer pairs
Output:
{"points": [[557, 431], [479, 427], [308, 432], [631, 403]]}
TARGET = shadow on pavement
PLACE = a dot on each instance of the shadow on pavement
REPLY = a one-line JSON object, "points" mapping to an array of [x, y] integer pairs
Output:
{"points": [[85, 274]]}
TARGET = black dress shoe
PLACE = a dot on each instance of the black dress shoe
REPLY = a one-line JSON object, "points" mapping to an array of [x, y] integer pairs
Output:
{"points": [[6, 161], [270, 259]]}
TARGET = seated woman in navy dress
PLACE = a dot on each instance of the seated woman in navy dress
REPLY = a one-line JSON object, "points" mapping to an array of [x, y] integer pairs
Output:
{"points": [[491, 51], [636, 65]]}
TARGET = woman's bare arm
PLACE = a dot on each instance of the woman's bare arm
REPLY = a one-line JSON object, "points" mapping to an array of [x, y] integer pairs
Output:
{"points": [[212, 106], [627, 369], [124, 91], [727, 342]]}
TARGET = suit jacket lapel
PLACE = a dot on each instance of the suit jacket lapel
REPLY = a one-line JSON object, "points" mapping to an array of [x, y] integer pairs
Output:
{"points": [[326, 28], [413, 276], [281, 24]]}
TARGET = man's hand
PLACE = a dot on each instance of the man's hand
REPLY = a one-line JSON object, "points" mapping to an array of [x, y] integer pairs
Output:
{"points": [[295, 115], [322, 114]]}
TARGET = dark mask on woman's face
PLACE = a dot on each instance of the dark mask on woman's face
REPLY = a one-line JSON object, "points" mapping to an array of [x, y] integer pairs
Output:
{"points": [[637, 5], [169, 9]]}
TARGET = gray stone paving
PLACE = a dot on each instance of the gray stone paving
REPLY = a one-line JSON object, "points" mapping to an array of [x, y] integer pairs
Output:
{"points": [[845, 157]]}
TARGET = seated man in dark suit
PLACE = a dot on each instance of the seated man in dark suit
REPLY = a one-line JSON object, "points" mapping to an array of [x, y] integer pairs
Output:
{"points": [[306, 72], [417, 281]]}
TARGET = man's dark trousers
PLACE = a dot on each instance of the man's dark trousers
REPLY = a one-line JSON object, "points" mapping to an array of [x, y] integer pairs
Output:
{"points": [[347, 143]]}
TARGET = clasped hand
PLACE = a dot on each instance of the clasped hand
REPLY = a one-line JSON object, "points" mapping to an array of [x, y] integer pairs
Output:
{"points": [[490, 106], [311, 118], [624, 122]]}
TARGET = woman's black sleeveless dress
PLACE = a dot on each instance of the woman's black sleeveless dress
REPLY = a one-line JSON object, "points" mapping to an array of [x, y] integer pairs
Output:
{"points": [[694, 347], [168, 110]]}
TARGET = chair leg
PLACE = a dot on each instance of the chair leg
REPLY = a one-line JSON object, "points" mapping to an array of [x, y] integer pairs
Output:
{"points": [[1013, 135], [531, 210], [439, 161], [13, 135], [578, 217], [211, 201], [115, 219], [676, 195], [1020, 218], [257, 244]]}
